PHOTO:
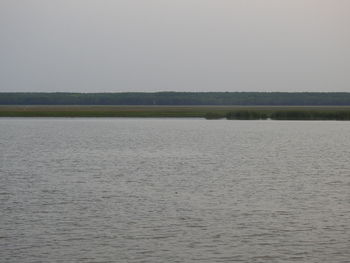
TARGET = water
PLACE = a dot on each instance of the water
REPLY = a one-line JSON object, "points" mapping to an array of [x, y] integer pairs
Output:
{"points": [[174, 190]]}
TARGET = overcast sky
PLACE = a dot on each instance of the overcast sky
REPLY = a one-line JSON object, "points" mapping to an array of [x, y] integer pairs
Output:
{"points": [[178, 45]]}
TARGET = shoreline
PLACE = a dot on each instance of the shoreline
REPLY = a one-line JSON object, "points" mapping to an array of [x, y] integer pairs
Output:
{"points": [[186, 111]]}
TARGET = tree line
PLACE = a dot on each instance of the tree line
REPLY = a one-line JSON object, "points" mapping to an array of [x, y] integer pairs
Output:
{"points": [[177, 98]]}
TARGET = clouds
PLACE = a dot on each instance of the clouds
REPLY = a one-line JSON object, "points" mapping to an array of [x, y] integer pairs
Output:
{"points": [[193, 45]]}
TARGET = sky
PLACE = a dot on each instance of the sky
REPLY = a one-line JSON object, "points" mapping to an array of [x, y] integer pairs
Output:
{"points": [[174, 45]]}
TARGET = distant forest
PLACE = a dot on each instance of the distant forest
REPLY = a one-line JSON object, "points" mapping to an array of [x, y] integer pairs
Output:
{"points": [[178, 98]]}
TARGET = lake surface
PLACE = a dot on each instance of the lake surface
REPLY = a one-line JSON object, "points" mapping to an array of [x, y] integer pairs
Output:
{"points": [[174, 190]]}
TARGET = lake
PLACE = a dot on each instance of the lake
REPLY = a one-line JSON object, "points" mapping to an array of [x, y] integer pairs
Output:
{"points": [[174, 190]]}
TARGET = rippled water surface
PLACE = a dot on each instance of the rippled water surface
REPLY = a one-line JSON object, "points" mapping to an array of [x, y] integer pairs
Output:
{"points": [[174, 190]]}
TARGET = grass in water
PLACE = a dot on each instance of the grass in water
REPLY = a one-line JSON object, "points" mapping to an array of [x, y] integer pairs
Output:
{"points": [[208, 112]]}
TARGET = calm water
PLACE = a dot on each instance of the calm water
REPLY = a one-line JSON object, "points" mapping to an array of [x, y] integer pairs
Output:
{"points": [[174, 190]]}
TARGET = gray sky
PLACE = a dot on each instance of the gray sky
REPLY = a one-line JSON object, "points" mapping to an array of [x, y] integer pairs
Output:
{"points": [[178, 45]]}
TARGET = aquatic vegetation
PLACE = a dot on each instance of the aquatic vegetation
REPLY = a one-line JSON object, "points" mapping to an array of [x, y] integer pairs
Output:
{"points": [[246, 115], [289, 115], [208, 112], [214, 116]]}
